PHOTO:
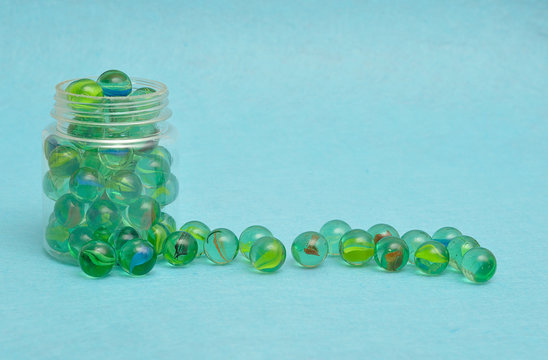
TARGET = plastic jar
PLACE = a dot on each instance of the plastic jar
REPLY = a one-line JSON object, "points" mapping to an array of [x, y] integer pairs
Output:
{"points": [[109, 164]]}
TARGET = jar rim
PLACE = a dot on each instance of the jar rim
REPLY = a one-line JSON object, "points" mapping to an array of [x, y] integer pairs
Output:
{"points": [[161, 89]]}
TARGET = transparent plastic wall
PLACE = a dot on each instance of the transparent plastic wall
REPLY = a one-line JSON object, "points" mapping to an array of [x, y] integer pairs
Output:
{"points": [[109, 168]]}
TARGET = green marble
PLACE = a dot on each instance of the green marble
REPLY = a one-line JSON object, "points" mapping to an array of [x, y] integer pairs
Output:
{"points": [[54, 186], [168, 221], [163, 153], [199, 231], [445, 234], [143, 212], [249, 236], [156, 236], [478, 265], [103, 212], [78, 238], [391, 253], [97, 258], [164, 194], [69, 211], [115, 83], [431, 258], [137, 257], [124, 187], [57, 236], [86, 184], [267, 254], [356, 247], [332, 231], [310, 249], [380, 231], [121, 236], [102, 233], [63, 161], [457, 247], [50, 143], [180, 248], [144, 107], [221, 246], [91, 92], [414, 239], [153, 170], [116, 158]]}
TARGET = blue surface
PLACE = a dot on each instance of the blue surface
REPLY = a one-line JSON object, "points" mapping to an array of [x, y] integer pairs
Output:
{"points": [[419, 113]]}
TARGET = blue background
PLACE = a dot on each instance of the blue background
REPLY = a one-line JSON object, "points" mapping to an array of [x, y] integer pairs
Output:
{"points": [[417, 113]]}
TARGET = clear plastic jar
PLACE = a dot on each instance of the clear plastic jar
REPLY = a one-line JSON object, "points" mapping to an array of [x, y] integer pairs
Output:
{"points": [[109, 164]]}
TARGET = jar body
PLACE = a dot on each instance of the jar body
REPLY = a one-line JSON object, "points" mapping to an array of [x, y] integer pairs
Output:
{"points": [[102, 176]]}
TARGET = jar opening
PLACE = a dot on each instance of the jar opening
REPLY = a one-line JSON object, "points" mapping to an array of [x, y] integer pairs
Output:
{"points": [[116, 117]]}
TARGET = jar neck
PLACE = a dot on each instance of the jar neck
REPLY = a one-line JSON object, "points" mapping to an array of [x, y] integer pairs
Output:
{"points": [[136, 118]]}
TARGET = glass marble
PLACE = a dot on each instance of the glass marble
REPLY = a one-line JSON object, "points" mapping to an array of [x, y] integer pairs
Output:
{"points": [[145, 111], [180, 248], [103, 212], [356, 247], [432, 258], [89, 89], [380, 231], [414, 239], [124, 187], [310, 249], [115, 83], [165, 194], [249, 236], [121, 236], [169, 222], [163, 153], [54, 186], [199, 231], [116, 158], [69, 211], [391, 253], [153, 170], [143, 213], [478, 265], [156, 236], [64, 161], [137, 257], [50, 143], [267, 254], [445, 234], [57, 236], [221, 246], [78, 238], [457, 247], [97, 258], [102, 233], [86, 184], [332, 231]]}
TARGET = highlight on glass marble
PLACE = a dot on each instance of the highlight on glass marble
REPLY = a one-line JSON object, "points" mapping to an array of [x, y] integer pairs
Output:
{"points": [[356, 247], [221, 246], [380, 231], [249, 236], [391, 253], [332, 231], [267, 254], [309, 249]]}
